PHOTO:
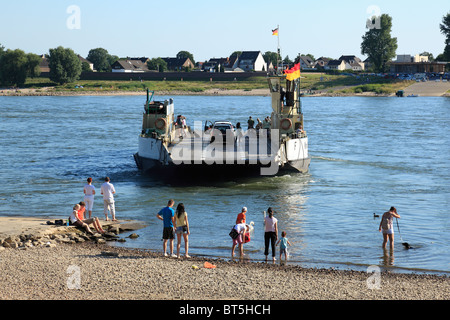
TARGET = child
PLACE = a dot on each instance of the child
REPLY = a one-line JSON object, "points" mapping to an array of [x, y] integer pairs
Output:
{"points": [[284, 242]]}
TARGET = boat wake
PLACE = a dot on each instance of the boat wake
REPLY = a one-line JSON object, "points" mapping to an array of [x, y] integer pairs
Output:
{"points": [[380, 164]]}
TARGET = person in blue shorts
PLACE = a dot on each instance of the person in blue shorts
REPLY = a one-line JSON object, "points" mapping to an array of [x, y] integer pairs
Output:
{"points": [[167, 215]]}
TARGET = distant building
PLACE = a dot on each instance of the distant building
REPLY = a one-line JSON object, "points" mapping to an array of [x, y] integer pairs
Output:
{"points": [[142, 59], [215, 64], [177, 64], [306, 63], [91, 65], [251, 61], [367, 64], [322, 62], [354, 62], [43, 65], [129, 66], [406, 63], [407, 58], [339, 65], [232, 61]]}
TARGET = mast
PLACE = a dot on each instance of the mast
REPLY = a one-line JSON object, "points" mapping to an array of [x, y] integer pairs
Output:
{"points": [[278, 47], [276, 32]]}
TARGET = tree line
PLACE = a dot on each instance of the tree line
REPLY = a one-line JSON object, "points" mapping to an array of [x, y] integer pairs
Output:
{"points": [[65, 66]]}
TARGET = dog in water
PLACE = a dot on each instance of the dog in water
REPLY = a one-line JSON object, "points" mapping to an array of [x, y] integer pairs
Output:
{"points": [[406, 245]]}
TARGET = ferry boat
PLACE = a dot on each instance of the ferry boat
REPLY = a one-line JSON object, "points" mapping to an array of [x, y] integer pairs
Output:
{"points": [[166, 145]]}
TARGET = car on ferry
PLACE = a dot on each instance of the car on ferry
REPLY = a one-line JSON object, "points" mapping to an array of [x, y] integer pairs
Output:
{"points": [[224, 130]]}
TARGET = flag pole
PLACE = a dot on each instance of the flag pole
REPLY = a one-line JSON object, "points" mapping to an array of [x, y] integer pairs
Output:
{"points": [[278, 49]]}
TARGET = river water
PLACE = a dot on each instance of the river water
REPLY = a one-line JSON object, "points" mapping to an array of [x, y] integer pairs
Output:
{"points": [[368, 154]]}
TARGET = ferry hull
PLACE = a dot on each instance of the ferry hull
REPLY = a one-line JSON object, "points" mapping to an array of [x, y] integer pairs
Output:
{"points": [[154, 167], [153, 157]]}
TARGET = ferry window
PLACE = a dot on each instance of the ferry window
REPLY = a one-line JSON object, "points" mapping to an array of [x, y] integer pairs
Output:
{"points": [[274, 85]]}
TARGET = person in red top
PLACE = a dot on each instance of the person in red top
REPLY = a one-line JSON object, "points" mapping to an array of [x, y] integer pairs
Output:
{"points": [[94, 221], [241, 216], [80, 213]]}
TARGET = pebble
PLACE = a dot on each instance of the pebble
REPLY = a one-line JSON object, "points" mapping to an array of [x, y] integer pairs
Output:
{"points": [[74, 266], [46, 273]]}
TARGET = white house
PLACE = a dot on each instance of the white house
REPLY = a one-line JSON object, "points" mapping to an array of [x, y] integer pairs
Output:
{"points": [[337, 65], [354, 62], [251, 61]]}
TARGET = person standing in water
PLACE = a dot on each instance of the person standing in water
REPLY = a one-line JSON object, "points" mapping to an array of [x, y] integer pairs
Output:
{"points": [[182, 228], [241, 216], [270, 233], [167, 215], [387, 227], [284, 242], [241, 228]]}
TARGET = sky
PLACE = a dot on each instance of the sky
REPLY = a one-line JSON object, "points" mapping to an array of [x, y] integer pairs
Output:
{"points": [[214, 29]]}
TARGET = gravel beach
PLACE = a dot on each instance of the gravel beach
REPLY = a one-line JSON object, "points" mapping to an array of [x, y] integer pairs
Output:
{"points": [[89, 270]]}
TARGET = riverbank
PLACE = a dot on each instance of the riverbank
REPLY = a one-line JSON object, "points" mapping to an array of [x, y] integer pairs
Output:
{"points": [[209, 92], [430, 91], [311, 84], [90, 270]]}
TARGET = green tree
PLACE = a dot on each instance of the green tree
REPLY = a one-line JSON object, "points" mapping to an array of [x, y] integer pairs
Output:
{"points": [[101, 59], [185, 55], [64, 64], [13, 67], [271, 57], [378, 44], [112, 59], [33, 61], [287, 61], [157, 64], [2, 50], [428, 54], [85, 67], [445, 30]]}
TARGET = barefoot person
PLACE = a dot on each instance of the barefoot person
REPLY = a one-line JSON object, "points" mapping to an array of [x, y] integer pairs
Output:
{"points": [[284, 242], [108, 191], [89, 192], [182, 228], [270, 233], [241, 228], [77, 222], [387, 226], [94, 221], [167, 215]]}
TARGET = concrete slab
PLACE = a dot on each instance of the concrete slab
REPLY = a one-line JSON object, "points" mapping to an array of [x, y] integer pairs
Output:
{"points": [[428, 89]]}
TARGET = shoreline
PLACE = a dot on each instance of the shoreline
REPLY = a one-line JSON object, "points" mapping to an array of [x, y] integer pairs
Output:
{"points": [[48, 92], [111, 273]]}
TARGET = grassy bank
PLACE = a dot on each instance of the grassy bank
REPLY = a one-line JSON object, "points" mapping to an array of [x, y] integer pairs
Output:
{"points": [[378, 88], [310, 82], [132, 86]]}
